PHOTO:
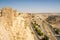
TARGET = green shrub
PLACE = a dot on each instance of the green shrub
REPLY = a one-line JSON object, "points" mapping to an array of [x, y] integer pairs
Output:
{"points": [[45, 38], [57, 31], [37, 29]]}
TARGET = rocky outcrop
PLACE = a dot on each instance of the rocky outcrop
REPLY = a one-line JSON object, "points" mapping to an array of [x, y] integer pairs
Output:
{"points": [[14, 25]]}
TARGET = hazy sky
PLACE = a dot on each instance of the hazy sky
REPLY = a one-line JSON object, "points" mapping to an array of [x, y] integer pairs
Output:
{"points": [[32, 5]]}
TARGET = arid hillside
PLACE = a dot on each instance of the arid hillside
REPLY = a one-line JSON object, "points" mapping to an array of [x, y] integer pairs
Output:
{"points": [[51, 18], [14, 25]]}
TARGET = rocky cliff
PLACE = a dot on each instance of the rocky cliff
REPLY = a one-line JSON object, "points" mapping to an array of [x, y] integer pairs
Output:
{"points": [[14, 25]]}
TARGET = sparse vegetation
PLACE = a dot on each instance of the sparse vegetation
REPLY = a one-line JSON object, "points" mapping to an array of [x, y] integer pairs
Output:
{"points": [[39, 32], [45, 37], [51, 18], [37, 29], [57, 31]]}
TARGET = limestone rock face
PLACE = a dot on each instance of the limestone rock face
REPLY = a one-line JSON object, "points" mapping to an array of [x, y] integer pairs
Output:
{"points": [[14, 26]]}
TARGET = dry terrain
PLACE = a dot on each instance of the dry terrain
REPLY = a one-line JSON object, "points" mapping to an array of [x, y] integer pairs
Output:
{"points": [[14, 25]]}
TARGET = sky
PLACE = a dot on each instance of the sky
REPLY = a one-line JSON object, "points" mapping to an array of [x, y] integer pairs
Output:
{"points": [[32, 6]]}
